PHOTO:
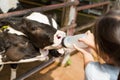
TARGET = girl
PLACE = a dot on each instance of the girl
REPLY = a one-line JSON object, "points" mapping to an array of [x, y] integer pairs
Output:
{"points": [[106, 43]]}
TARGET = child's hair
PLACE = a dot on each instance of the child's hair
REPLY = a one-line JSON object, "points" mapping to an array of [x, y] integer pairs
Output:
{"points": [[107, 35]]}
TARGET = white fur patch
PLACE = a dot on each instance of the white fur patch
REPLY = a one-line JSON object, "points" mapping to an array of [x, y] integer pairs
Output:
{"points": [[58, 37], [0, 58], [37, 58], [1, 67], [13, 74], [61, 51], [44, 54], [5, 5], [41, 18], [13, 31], [42, 57]]}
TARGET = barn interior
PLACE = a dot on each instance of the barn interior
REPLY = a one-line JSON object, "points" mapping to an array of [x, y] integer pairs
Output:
{"points": [[86, 13]]}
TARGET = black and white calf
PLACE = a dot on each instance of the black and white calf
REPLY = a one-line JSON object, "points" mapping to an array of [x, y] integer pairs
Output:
{"points": [[14, 48], [9, 5], [40, 29], [40, 33]]}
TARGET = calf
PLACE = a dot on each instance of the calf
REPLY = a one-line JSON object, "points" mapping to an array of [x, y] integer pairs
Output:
{"points": [[37, 30], [40, 29], [15, 47]]}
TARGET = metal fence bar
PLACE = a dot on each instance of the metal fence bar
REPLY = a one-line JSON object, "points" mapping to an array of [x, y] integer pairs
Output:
{"points": [[43, 8], [92, 5], [35, 69]]}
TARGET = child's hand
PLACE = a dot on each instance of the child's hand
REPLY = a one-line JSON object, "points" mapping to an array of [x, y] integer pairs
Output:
{"points": [[86, 54], [89, 40]]}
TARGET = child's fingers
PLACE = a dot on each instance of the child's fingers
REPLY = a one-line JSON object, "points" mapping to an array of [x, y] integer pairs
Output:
{"points": [[85, 41], [81, 39], [80, 49], [88, 32]]}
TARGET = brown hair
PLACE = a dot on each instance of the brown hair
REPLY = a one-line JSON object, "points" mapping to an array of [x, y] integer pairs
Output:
{"points": [[107, 36]]}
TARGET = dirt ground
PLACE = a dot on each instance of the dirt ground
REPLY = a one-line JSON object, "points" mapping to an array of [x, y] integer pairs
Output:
{"points": [[75, 71]]}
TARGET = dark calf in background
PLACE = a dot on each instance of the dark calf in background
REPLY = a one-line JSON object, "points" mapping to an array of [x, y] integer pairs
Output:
{"points": [[17, 47]]}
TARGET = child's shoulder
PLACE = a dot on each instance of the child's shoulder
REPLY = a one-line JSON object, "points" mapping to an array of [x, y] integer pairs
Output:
{"points": [[99, 71]]}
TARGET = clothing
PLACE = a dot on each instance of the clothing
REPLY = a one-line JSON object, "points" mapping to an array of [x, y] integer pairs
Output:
{"points": [[97, 71]]}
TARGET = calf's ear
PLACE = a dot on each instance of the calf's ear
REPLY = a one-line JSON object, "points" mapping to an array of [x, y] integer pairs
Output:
{"points": [[28, 25]]}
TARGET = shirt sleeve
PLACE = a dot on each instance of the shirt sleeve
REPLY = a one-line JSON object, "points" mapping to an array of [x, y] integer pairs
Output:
{"points": [[97, 71]]}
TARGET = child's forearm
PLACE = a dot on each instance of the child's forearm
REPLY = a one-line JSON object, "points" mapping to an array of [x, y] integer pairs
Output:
{"points": [[86, 54], [87, 58]]}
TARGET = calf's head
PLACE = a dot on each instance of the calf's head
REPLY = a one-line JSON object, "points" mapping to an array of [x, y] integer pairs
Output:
{"points": [[43, 35], [42, 30]]}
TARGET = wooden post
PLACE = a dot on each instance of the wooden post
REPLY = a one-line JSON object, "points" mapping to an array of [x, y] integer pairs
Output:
{"points": [[116, 4], [106, 8], [69, 17]]}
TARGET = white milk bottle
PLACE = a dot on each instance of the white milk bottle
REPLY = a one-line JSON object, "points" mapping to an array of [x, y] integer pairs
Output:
{"points": [[68, 41]]}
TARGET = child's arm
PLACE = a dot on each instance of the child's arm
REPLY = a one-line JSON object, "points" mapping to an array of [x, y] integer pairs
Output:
{"points": [[87, 55], [88, 40]]}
